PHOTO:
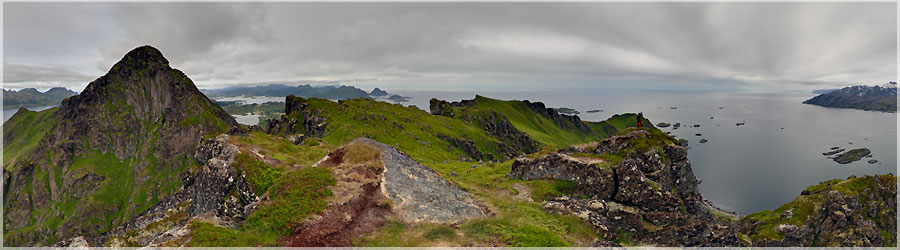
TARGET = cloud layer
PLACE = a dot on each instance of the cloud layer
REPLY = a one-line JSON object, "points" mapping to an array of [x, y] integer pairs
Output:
{"points": [[463, 45]]}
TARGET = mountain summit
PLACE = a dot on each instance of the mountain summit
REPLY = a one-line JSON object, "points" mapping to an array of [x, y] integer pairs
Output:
{"points": [[106, 154]]}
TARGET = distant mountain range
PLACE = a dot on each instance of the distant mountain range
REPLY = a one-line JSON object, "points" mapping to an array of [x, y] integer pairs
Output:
{"points": [[281, 90], [871, 98], [31, 97]]}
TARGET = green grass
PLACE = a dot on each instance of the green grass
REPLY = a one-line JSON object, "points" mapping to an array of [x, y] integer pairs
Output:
{"points": [[409, 129], [260, 175], [285, 152], [23, 131], [539, 128], [292, 198], [513, 234]]}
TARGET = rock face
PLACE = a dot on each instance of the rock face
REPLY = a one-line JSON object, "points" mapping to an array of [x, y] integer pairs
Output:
{"points": [[859, 212], [875, 98], [118, 145], [299, 121], [214, 189], [643, 197]]}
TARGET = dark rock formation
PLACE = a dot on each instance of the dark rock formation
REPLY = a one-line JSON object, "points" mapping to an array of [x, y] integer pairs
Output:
{"points": [[654, 201], [857, 212], [299, 121]]}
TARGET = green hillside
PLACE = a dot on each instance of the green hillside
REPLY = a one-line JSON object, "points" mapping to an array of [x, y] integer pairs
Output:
{"points": [[543, 129], [23, 131]]}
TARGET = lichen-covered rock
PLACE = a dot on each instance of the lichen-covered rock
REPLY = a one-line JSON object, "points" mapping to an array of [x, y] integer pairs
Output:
{"points": [[858, 211]]}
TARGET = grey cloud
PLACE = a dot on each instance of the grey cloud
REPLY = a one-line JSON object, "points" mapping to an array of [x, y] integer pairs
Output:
{"points": [[22, 75], [459, 45]]}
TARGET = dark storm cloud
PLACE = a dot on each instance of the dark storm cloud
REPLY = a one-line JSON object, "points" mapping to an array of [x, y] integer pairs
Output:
{"points": [[465, 45]]}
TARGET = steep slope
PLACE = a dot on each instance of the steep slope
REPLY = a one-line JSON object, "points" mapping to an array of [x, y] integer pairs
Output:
{"points": [[875, 98], [108, 153]]}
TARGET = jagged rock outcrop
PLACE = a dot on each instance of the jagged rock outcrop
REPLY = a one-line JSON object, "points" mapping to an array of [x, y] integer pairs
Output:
{"points": [[858, 212], [214, 189], [117, 145], [649, 199], [299, 121]]}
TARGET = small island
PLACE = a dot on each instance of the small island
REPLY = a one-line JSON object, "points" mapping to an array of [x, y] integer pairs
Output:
{"points": [[663, 125], [568, 111], [852, 155], [398, 98], [594, 110]]}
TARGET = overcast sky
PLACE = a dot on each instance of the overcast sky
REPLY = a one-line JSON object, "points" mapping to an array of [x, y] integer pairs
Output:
{"points": [[709, 46]]}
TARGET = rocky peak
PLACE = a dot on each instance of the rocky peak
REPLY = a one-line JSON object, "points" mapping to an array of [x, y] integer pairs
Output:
{"points": [[140, 57], [129, 132]]}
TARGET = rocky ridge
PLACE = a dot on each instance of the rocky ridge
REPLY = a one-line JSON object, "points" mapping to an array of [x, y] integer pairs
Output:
{"points": [[649, 197]]}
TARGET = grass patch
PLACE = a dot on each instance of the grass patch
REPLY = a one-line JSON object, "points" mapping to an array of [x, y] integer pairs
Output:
{"points": [[260, 175], [285, 152], [292, 198]]}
